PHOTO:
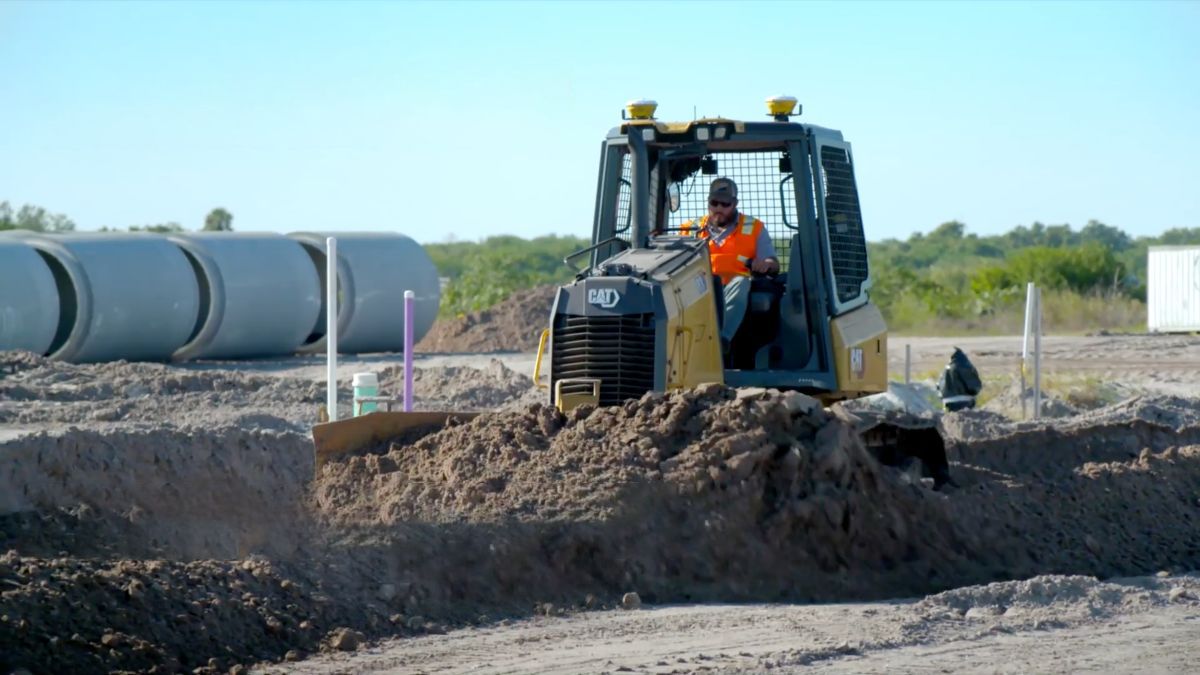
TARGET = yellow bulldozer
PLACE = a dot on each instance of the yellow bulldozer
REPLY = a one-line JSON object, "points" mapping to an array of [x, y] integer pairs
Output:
{"points": [[644, 313]]}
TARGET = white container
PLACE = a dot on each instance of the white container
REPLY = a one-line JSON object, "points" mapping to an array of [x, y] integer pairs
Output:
{"points": [[365, 384], [1173, 289]]}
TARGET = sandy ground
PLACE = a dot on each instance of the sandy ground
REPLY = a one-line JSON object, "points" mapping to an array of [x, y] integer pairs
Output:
{"points": [[201, 520], [1167, 364], [1072, 624]]}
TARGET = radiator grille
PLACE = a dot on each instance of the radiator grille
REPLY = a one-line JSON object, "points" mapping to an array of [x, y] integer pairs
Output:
{"points": [[618, 350], [847, 245]]}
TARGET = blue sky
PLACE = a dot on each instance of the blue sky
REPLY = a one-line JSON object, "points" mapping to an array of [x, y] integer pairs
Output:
{"points": [[465, 120]]}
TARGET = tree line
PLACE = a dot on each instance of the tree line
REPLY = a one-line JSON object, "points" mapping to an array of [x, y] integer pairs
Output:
{"points": [[959, 275], [945, 275], [38, 219]]}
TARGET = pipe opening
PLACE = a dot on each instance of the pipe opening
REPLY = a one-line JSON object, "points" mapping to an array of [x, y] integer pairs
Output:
{"points": [[205, 295], [68, 302], [317, 255], [318, 259]]}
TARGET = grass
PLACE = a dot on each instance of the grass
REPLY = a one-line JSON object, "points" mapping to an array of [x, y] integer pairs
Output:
{"points": [[1083, 391], [1063, 313]]}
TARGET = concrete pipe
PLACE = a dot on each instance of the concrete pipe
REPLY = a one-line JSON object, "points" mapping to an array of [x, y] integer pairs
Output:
{"points": [[374, 270], [259, 294], [134, 296], [29, 299]]}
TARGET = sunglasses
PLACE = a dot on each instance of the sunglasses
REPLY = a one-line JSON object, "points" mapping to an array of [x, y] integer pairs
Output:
{"points": [[715, 203]]}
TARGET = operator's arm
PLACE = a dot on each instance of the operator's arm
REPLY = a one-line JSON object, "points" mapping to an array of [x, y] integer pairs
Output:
{"points": [[764, 261]]}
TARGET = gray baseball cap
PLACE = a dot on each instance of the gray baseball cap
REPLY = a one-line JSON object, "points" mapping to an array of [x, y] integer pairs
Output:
{"points": [[723, 189]]}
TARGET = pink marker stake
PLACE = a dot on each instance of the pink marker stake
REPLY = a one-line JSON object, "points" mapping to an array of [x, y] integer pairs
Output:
{"points": [[408, 348]]}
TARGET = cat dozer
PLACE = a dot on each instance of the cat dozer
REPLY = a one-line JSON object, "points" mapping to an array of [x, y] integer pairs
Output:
{"points": [[644, 314]]}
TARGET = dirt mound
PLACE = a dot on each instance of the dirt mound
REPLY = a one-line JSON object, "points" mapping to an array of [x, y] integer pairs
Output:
{"points": [[460, 388], [514, 325], [1054, 600], [191, 492], [72, 614], [691, 495]]}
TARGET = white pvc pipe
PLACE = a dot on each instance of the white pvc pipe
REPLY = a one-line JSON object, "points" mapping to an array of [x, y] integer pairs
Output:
{"points": [[409, 297], [1029, 291], [907, 363], [331, 316], [1037, 354]]}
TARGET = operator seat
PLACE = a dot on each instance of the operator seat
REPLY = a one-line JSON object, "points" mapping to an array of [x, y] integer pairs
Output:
{"points": [[752, 346]]}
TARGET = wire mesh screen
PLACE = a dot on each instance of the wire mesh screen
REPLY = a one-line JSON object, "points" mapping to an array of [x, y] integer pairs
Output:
{"points": [[758, 179], [847, 244], [763, 192], [624, 199]]}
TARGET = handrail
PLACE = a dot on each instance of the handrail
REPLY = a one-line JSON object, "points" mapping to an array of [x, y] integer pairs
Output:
{"points": [[537, 364], [567, 260]]}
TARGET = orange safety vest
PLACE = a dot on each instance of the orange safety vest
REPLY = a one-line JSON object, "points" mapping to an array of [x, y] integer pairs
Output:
{"points": [[731, 258]]}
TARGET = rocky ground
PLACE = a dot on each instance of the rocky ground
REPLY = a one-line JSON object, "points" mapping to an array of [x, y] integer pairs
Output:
{"points": [[166, 518]]}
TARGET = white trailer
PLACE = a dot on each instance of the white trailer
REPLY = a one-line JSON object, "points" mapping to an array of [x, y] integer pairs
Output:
{"points": [[1173, 289]]}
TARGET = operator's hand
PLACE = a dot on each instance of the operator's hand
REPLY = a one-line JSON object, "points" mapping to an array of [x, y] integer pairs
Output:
{"points": [[764, 266]]}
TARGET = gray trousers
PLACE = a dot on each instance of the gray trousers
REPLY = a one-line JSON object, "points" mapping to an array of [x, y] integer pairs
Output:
{"points": [[737, 298]]}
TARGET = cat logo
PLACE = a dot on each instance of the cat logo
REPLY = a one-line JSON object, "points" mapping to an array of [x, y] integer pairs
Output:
{"points": [[605, 298], [858, 366]]}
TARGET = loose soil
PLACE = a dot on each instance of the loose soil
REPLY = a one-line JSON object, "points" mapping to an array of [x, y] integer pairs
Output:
{"points": [[514, 325], [180, 531]]}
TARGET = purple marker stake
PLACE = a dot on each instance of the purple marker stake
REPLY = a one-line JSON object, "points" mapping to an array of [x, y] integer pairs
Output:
{"points": [[408, 347]]}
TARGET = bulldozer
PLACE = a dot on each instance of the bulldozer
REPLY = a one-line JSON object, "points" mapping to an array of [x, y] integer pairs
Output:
{"points": [[644, 313]]}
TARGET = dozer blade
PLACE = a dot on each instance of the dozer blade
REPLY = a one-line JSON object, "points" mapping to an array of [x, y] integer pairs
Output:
{"points": [[356, 434], [898, 446], [899, 429]]}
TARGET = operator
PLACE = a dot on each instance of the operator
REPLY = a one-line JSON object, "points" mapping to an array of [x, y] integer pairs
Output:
{"points": [[738, 244]]}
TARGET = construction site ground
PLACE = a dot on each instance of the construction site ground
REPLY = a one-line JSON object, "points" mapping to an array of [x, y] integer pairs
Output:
{"points": [[166, 518]]}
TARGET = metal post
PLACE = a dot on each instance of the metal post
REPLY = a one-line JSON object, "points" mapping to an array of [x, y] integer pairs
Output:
{"points": [[639, 190], [907, 364], [331, 316], [408, 348], [1037, 354]]}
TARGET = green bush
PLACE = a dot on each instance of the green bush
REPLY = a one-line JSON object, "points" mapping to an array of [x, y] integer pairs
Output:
{"points": [[481, 274], [1081, 269]]}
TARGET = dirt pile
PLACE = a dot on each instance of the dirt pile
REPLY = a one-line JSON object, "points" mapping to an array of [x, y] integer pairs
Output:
{"points": [[145, 547], [1052, 601], [191, 492], [705, 495], [514, 325], [460, 388], [697, 495]]}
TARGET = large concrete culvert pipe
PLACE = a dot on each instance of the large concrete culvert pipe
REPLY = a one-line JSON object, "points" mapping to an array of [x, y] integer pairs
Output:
{"points": [[260, 294], [122, 296], [29, 298], [375, 268]]}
